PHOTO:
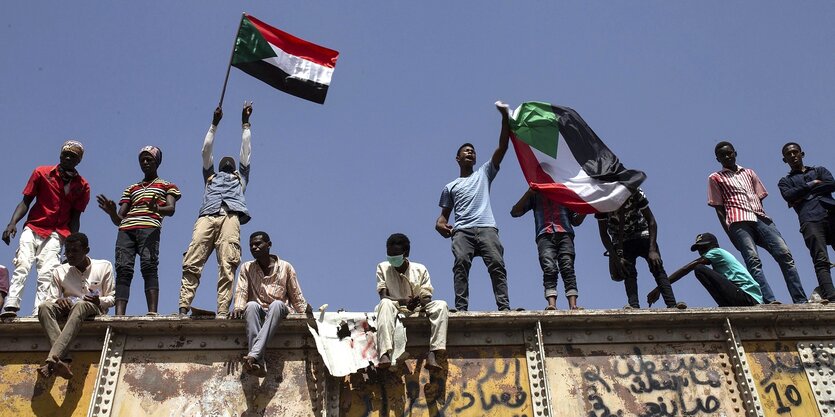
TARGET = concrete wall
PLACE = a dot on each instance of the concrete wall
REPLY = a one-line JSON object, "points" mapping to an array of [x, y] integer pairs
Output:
{"points": [[764, 361]]}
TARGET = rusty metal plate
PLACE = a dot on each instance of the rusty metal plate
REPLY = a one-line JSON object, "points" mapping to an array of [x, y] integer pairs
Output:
{"points": [[479, 381], [210, 383], [24, 393], [780, 379], [819, 363], [670, 379]]}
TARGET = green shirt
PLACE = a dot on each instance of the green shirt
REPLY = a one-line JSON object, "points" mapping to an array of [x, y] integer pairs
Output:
{"points": [[724, 263]]}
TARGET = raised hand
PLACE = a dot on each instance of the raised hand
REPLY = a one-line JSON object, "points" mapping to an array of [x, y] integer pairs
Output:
{"points": [[246, 112], [218, 114]]}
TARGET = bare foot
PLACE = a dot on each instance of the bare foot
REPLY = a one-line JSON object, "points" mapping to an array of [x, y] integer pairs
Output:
{"points": [[46, 370], [61, 368]]}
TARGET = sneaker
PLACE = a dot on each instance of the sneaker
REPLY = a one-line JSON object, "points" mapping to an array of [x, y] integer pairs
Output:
{"points": [[8, 313], [432, 362], [550, 308], [681, 305], [629, 307], [384, 362]]}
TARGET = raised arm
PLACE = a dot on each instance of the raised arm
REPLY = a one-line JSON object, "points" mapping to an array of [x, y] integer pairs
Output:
{"points": [[246, 143], [18, 213], [208, 145], [523, 205], [504, 135]]}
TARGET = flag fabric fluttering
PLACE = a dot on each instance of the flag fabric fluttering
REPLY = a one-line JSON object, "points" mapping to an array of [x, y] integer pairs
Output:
{"points": [[562, 158], [283, 61]]}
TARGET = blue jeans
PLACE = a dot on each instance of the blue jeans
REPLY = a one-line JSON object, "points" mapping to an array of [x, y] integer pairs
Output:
{"points": [[746, 236], [556, 254], [484, 242]]}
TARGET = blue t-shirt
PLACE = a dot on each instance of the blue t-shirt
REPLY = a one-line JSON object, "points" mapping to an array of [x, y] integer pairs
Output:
{"points": [[549, 217], [469, 198], [724, 263]]}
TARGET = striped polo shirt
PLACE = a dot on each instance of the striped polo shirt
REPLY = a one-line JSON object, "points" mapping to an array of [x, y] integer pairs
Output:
{"points": [[740, 192], [138, 196]]}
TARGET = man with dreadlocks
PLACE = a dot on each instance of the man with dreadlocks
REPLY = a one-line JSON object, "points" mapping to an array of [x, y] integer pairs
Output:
{"points": [[219, 223], [60, 195]]}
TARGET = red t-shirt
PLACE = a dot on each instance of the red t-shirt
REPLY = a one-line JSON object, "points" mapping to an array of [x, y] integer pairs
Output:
{"points": [[52, 208]]}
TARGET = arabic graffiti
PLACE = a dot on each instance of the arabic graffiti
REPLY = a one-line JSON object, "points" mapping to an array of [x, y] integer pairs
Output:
{"points": [[645, 381], [489, 382], [780, 379]]}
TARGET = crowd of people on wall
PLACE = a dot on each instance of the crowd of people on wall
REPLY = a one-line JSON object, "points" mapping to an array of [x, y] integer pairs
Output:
{"points": [[268, 289]]}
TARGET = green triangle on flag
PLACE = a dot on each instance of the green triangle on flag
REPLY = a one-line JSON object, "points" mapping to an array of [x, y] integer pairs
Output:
{"points": [[536, 124], [250, 45]]}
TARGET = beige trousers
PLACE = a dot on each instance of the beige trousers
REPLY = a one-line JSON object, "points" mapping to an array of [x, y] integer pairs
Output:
{"points": [[60, 339], [387, 310], [221, 233]]}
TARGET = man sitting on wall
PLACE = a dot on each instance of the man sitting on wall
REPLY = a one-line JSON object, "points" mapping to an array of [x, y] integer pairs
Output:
{"points": [[79, 290]]}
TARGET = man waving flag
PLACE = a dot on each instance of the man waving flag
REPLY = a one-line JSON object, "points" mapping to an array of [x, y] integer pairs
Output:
{"points": [[283, 61], [566, 161]]}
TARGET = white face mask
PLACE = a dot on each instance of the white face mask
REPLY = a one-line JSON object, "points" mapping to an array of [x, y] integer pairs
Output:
{"points": [[396, 261]]}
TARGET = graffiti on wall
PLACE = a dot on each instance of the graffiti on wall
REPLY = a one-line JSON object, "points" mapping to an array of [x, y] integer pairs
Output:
{"points": [[478, 381], [659, 380], [780, 379]]}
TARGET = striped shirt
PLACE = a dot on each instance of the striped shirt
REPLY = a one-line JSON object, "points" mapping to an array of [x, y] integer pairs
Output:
{"points": [[280, 285], [740, 192], [138, 196]]}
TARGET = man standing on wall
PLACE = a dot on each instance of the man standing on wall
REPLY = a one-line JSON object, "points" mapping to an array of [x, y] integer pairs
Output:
{"points": [[60, 194], [218, 225], [737, 193], [554, 242], [475, 232], [808, 190], [139, 219]]}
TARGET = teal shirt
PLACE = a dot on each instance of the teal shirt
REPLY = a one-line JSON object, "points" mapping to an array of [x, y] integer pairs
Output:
{"points": [[724, 263]]}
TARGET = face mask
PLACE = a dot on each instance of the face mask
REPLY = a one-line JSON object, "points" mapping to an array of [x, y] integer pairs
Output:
{"points": [[396, 261]]}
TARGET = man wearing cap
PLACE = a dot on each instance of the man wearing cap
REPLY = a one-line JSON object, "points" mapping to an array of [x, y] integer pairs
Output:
{"points": [[218, 225], [808, 190], [729, 283], [139, 219], [60, 195]]}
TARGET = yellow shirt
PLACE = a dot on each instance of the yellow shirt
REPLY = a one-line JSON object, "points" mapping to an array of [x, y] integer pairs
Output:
{"points": [[414, 282]]}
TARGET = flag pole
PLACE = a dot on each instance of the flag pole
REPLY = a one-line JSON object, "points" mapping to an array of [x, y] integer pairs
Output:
{"points": [[229, 66]]}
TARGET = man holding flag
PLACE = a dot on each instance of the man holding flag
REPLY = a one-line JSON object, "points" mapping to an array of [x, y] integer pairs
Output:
{"points": [[475, 232], [218, 225]]}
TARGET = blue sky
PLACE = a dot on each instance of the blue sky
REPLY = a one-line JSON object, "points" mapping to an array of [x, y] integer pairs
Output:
{"points": [[660, 82]]}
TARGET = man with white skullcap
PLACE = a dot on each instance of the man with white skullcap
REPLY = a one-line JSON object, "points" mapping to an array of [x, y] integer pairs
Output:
{"points": [[60, 194]]}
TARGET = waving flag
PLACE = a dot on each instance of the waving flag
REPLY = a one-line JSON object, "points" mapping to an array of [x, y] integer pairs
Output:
{"points": [[566, 161], [284, 61]]}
